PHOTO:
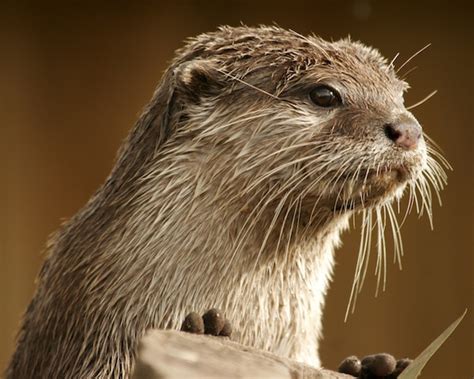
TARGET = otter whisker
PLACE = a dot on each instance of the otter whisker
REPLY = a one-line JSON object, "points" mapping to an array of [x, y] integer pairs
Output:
{"points": [[320, 167], [361, 257], [384, 248], [391, 64], [282, 150], [249, 85], [351, 180], [411, 196], [396, 236], [368, 245], [425, 99], [436, 151], [437, 172], [329, 181], [405, 75], [364, 249], [432, 143], [381, 248], [420, 184], [412, 57], [418, 204], [437, 186], [280, 168], [338, 174]]}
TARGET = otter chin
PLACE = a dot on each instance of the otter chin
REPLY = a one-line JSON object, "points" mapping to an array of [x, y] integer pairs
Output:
{"points": [[231, 192], [373, 187], [378, 186]]}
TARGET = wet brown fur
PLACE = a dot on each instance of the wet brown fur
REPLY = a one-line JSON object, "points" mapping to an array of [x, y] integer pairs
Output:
{"points": [[230, 192]]}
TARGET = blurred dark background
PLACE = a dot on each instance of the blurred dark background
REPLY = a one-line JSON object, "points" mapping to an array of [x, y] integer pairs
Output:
{"points": [[73, 79]]}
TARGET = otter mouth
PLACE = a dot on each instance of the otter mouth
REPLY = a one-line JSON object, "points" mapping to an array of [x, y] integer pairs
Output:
{"points": [[397, 174], [371, 187]]}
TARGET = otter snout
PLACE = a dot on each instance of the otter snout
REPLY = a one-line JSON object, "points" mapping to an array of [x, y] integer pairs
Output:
{"points": [[405, 134]]}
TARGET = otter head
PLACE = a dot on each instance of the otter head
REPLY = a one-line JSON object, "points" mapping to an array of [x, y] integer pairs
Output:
{"points": [[324, 123], [277, 126]]}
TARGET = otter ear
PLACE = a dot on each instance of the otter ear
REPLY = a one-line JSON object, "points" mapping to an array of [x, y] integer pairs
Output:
{"points": [[187, 83], [197, 79]]}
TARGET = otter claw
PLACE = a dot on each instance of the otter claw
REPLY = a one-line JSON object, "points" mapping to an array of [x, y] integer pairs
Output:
{"points": [[193, 323], [212, 323], [351, 366]]}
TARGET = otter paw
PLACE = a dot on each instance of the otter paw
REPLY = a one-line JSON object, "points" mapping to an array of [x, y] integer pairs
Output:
{"points": [[212, 322], [374, 366]]}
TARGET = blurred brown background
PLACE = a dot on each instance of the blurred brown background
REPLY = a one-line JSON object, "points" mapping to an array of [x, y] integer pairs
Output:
{"points": [[73, 79]]}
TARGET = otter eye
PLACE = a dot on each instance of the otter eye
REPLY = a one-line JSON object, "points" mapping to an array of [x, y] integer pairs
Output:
{"points": [[325, 97]]}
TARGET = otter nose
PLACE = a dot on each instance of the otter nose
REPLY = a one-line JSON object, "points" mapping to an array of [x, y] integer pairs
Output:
{"points": [[405, 135]]}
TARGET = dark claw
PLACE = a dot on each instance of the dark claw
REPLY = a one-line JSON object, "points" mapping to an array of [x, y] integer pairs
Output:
{"points": [[213, 322], [193, 323], [351, 366]]}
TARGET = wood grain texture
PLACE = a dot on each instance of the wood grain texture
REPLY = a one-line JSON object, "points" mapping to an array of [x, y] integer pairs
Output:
{"points": [[167, 354]]}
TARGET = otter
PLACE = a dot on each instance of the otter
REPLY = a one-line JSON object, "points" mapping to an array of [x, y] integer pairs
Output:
{"points": [[231, 191]]}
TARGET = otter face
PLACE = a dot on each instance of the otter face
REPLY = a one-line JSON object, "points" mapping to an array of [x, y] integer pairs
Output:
{"points": [[324, 120], [378, 143]]}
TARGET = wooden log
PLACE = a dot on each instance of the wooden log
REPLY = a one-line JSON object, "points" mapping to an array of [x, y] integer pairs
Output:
{"points": [[168, 354]]}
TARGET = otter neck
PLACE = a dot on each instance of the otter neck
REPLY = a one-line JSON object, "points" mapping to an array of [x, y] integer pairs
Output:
{"points": [[208, 254]]}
